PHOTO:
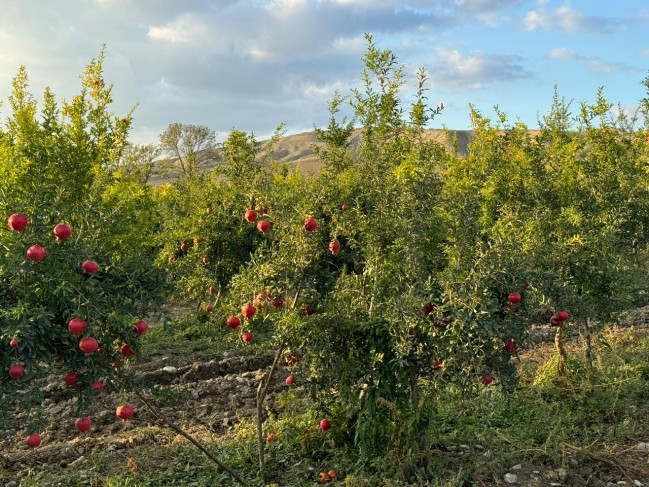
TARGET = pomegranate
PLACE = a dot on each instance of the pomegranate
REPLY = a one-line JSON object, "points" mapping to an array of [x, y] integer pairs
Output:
{"points": [[290, 380], [140, 327], [190, 289], [325, 424], [310, 224], [34, 441], [209, 209], [124, 412], [17, 222], [212, 290], [308, 311], [291, 359], [510, 346], [206, 260], [234, 322], [171, 260], [90, 266], [514, 298], [277, 303], [126, 350], [428, 308], [71, 379], [555, 321], [62, 231], [436, 365], [97, 386], [88, 345], [83, 424], [248, 311], [251, 216], [345, 207], [77, 326], [334, 247], [486, 380], [13, 343], [271, 437], [209, 308], [16, 371], [563, 315], [184, 247], [199, 240], [263, 226], [247, 337], [36, 253]]}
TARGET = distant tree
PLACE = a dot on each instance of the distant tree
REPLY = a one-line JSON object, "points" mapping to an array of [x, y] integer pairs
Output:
{"points": [[183, 142], [139, 161]]}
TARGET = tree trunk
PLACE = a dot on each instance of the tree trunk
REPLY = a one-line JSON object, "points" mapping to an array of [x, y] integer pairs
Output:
{"points": [[560, 346]]}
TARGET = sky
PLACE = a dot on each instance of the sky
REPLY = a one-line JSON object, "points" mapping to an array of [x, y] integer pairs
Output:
{"points": [[252, 64]]}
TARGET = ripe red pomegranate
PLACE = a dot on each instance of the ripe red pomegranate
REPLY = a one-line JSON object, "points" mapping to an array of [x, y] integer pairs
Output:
{"points": [[17, 222], [83, 424], [271, 437], [124, 412], [34, 441], [212, 290], [310, 224], [190, 289], [308, 311], [199, 240], [436, 365], [510, 346], [88, 345], [325, 424], [334, 247], [71, 379], [248, 311], [140, 327], [206, 260], [428, 308], [184, 247], [251, 216], [209, 209], [62, 231], [209, 308], [263, 226], [247, 337], [97, 386], [77, 326], [290, 380], [171, 260], [126, 350], [555, 321], [563, 315], [277, 303], [486, 380], [514, 298], [36, 253], [234, 322], [90, 266], [16, 371], [345, 207], [13, 343]]}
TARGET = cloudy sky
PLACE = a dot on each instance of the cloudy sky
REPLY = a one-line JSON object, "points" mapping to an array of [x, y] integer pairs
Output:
{"points": [[250, 64]]}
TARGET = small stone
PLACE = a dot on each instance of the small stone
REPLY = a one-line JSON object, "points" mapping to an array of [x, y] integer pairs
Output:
{"points": [[479, 447], [562, 474], [195, 395], [555, 484], [637, 483], [516, 467], [465, 447], [536, 472], [511, 478], [170, 369], [487, 454], [452, 448], [642, 446], [611, 484], [551, 475], [56, 410]]}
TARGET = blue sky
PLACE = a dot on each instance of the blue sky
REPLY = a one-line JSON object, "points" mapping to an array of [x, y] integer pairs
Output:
{"points": [[250, 64]]}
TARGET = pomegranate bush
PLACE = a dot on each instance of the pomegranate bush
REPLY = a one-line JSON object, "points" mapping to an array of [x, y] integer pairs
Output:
{"points": [[76, 268]]}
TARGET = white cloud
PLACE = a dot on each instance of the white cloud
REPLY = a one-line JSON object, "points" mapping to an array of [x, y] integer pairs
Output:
{"points": [[186, 29], [566, 19], [474, 70], [594, 63]]}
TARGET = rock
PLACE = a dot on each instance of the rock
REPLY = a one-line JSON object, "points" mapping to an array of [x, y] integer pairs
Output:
{"points": [[56, 410], [555, 484], [452, 448], [536, 472], [642, 446], [611, 484], [511, 478], [551, 475], [170, 369], [195, 395], [637, 483], [465, 447], [562, 474], [516, 467], [479, 447]]}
